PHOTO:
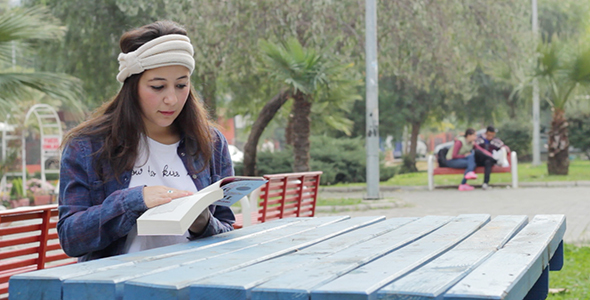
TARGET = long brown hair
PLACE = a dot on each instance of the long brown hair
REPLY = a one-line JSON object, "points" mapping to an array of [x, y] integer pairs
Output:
{"points": [[119, 123]]}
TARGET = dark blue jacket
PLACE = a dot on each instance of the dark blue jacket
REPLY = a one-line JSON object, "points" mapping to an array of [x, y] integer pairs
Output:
{"points": [[95, 215]]}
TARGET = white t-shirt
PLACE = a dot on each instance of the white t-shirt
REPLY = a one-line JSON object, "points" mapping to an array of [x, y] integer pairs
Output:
{"points": [[161, 165]]}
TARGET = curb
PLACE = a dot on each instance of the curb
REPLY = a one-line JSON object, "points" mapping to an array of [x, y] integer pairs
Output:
{"points": [[362, 189], [375, 204]]}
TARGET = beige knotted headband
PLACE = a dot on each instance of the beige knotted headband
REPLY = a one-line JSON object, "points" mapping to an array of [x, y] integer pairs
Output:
{"points": [[167, 50]]}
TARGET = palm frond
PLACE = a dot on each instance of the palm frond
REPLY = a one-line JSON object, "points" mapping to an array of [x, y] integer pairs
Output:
{"points": [[579, 71], [14, 87], [549, 59], [34, 23]]}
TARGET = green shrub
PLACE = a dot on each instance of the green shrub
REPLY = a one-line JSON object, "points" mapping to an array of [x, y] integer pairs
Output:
{"points": [[274, 163], [579, 133], [518, 136], [238, 168], [48, 177], [340, 160], [386, 173]]}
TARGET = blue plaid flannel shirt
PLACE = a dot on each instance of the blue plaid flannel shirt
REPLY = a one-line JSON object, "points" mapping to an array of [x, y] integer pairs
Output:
{"points": [[95, 216]]}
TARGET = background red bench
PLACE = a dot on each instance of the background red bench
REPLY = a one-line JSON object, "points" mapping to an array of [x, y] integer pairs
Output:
{"points": [[513, 168], [283, 196], [28, 242]]}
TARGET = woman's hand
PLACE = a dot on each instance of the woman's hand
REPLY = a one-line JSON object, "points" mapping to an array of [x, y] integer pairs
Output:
{"points": [[158, 195], [201, 222]]}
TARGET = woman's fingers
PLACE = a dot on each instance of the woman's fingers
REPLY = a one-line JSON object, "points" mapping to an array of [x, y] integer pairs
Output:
{"points": [[157, 195]]}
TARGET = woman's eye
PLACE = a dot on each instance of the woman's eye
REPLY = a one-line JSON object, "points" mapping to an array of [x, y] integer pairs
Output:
{"points": [[157, 88], [181, 86]]}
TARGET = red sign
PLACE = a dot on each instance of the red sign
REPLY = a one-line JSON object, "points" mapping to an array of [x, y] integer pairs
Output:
{"points": [[50, 143]]}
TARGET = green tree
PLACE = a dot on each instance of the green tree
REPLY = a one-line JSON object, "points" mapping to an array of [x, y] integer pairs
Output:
{"points": [[312, 77], [432, 49], [89, 48], [564, 69], [20, 31]]}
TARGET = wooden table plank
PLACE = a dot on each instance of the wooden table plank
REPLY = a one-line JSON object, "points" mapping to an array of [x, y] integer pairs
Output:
{"points": [[522, 261], [237, 284], [363, 282], [436, 277], [298, 283], [47, 283], [174, 283]]}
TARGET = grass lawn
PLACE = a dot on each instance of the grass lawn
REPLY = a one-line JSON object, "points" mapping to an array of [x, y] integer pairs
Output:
{"points": [[338, 201], [579, 170], [574, 277]]}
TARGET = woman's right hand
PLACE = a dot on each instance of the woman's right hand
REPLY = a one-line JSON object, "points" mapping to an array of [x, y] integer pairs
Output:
{"points": [[158, 195]]}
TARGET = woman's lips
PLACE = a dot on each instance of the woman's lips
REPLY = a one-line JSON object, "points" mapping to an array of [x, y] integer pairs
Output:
{"points": [[167, 113]]}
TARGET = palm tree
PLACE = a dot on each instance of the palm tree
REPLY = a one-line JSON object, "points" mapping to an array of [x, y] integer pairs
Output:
{"points": [[310, 77], [564, 70], [20, 31]]}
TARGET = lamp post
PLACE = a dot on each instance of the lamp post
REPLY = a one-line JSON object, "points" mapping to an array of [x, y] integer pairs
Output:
{"points": [[372, 105], [536, 109]]}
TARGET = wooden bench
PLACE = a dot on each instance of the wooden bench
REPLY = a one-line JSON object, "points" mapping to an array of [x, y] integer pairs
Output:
{"points": [[513, 168], [28, 242], [283, 196]]}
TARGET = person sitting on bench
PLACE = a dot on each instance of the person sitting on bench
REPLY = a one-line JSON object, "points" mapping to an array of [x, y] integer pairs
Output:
{"points": [[485, 158], [462, 156]]}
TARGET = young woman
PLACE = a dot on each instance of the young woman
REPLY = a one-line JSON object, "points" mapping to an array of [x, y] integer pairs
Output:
{"points": [[150, 144], [461, 156]]}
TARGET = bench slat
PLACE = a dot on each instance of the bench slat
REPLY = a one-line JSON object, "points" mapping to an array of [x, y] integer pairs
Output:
{"points": [[17, 253], [429, 283], [170, 275], [18, 264], [19, 229], [20, 241], [366, 280], [297, 283], [525, 256], [244, 279]]}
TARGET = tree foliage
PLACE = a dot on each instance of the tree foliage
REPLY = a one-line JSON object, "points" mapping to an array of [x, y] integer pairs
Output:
{"points": [[89, 48], [20, 31]]}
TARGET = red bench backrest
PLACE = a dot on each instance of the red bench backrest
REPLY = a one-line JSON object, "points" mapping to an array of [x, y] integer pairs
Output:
{"points": [[288, 195], [28, 241]]}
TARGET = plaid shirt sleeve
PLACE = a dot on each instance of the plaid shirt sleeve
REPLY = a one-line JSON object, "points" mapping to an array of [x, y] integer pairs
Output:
{"points": [[89, 220], [221, 166]]}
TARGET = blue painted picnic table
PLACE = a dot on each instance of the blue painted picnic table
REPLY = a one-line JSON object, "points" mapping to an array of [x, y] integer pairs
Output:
{"points": [[433, 257]]}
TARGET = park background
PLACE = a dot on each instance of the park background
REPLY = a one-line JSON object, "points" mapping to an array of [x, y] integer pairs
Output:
{"points": [[285, 80]]}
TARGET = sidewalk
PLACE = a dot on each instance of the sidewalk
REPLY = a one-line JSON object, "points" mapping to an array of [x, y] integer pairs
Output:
{"points": [[571, 199]]}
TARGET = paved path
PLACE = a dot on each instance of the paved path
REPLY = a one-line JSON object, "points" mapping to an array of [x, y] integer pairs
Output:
{"points": [[574, 202]]}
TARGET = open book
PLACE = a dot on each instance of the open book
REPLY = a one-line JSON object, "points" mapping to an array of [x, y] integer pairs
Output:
{"points": [[175, 217]]}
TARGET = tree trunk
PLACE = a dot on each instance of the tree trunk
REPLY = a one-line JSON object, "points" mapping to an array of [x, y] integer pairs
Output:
{"points": [[301, 132], [289, 129], [558, 160], [264, 117], [414, 144], [209, 82]]}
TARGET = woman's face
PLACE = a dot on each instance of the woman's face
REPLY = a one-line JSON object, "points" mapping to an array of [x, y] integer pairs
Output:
{"points": [[162, 93], [470, 138]]}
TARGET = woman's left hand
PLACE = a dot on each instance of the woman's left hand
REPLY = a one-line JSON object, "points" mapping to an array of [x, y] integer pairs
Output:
{"points": [[200, 222]]}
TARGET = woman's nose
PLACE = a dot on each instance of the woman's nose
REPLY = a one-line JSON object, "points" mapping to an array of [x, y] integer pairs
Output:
{"points": [[170, 97]]}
